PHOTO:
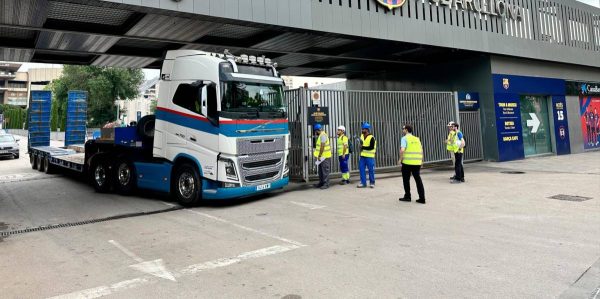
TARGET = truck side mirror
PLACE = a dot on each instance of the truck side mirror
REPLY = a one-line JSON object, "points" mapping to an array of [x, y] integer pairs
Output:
{"points": [[203, 100]]}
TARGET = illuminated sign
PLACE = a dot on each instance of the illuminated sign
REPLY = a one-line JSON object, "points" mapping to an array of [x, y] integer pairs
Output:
{"points": [[499, 8]]}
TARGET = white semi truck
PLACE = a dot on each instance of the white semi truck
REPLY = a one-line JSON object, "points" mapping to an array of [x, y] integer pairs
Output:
{"points": [[220, 131]]}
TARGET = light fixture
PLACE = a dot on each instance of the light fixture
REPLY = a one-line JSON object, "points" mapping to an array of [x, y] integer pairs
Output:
{"points": [[252, 59]]}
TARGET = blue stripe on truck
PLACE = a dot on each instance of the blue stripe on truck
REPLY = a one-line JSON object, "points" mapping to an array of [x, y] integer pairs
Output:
{"points": [[154, 176], [227, 193]]}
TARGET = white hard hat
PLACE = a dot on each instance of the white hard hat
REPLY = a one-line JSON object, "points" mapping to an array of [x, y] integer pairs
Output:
{"points": [[342, 128], [451, 124]]}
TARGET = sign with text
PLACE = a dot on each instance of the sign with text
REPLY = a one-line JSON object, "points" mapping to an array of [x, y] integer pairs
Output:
{"points": [[468, 101], [510, 131], [318, 115], [561, 125]]}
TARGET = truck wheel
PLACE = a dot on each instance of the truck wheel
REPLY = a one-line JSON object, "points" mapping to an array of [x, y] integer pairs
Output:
{"points": [[48, 168], [40, 163], [125, 177], [100, 176], [33, 161], [186, 186]]}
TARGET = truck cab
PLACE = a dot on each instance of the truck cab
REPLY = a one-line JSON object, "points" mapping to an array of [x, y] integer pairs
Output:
{"points": [[221, 126]]}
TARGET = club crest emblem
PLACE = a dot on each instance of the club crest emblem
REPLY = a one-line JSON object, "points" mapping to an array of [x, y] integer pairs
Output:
{"points": [[391, 4], [505, 83]]}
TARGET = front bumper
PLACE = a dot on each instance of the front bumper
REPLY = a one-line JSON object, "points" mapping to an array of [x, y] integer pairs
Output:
{"points": [[237, 192], [9, 153]]}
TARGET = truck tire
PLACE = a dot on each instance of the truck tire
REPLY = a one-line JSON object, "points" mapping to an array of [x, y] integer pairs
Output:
{"points": [[33, 161], [186, 186], [40, 163], [100, 175], [125, 177], [145, 126], [48, 168]]}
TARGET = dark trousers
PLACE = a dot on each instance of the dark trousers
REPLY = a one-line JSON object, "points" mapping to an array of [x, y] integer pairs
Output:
{"points": [[324, 170], [459, 171], [415, 171]]}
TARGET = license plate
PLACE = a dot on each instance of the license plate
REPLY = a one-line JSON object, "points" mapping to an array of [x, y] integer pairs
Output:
{"points": [[3, 152], [263, 187]]}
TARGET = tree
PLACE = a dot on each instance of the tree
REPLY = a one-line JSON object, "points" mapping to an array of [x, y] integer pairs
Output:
{"points": [[103, 84]]}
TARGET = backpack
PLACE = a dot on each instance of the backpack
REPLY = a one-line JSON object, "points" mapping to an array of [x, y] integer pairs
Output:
{"points": [[350, 146]]}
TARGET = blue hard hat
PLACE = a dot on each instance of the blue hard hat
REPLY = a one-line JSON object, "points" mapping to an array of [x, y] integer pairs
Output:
{"points": [[366, 126], [317, 127]]}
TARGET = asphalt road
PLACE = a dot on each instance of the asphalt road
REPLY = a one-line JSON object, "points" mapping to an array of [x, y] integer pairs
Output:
{"points": [[497, 236]]}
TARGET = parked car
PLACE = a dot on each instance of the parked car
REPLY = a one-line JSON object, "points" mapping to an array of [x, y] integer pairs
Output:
{"points": [[9, 146]]}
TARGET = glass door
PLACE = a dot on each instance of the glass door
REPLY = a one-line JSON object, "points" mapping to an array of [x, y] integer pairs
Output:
{"points": [[536, 125]]}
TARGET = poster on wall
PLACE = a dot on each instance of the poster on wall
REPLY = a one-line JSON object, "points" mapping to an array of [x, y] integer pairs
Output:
{"points": [[561, 125], [508, 121], [590, 120]]}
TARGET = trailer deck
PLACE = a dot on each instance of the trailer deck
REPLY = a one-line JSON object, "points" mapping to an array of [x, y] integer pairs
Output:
{"points": [[62, 157]]}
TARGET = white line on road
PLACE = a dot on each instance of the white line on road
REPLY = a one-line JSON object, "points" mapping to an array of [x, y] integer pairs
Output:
{"points": [[102, 291], [169, 204], [247, 228], [308, 205], [597, 293], [126, 251]]}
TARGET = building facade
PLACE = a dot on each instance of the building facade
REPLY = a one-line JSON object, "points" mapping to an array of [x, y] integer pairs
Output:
{"points": [[15, 86]]}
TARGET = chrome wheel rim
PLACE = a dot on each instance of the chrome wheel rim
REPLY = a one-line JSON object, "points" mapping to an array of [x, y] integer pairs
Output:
{"points": [[124, 174], [100, 175], [186, 184]]}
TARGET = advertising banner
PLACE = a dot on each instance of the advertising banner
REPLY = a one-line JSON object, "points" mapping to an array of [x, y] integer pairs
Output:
{"points": [[590, 120], [508, 122], [561, 125]]}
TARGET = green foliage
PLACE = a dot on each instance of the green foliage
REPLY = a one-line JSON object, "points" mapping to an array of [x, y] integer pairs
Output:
{"points": [[103, 84], [153, 104], [14, 116]]}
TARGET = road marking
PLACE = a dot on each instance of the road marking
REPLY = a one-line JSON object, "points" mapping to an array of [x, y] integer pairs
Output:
{"points": [[169, 204], [114, 288], [596, 293], [308, 205], [155, 267], [247, 228], [126, 251]]}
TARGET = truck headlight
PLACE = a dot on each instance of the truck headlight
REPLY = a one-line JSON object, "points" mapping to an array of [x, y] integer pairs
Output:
{"points": [[229, 168]]}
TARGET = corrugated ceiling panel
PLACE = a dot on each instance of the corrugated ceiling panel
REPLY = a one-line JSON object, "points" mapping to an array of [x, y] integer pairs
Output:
{"points": [[173, 28], [234, 31], [297, 71], [16, 33], [17, 55], [88, 14], [23, 12], [75, 42], [296, 59], [123, 61], [297, 41]]}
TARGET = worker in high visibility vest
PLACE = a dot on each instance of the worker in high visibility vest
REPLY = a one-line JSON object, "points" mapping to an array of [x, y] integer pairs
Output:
{"points": [[458, 147], [367, 156], [411, 159], [343, 151], [449, 141], [322, 156]]}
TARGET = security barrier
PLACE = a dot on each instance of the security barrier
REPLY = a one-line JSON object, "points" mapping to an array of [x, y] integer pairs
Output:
{"points": [[387, 112]]}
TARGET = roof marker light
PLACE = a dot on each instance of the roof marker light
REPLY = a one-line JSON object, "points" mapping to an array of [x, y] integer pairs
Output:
{"points": [[252, 59]]}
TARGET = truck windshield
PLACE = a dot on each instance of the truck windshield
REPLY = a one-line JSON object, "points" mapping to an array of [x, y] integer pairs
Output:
{"points": [[244, 100]]}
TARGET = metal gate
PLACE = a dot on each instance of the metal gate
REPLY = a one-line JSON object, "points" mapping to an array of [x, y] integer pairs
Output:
{"points": [[470, 125], [387, 111]]}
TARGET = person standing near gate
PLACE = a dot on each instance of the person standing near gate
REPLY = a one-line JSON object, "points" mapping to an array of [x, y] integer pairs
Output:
{"points": [[458, 147], [367, 156], [411, 159], [322, 154], [343, 154], [449, 141]]}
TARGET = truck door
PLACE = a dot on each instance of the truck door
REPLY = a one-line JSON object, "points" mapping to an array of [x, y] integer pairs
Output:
{"points": [[203, 138]]}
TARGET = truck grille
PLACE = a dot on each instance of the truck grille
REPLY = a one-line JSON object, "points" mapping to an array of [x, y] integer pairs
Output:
{"points": [[250, 146], [262, 168]]}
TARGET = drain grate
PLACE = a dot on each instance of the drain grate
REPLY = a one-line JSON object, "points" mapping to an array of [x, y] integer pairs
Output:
{"points": [[55, 226], [512, 172], [570, 197]]}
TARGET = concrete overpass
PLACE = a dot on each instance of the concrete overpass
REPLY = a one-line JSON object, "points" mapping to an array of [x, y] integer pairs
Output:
{"points": [[339, 38]]}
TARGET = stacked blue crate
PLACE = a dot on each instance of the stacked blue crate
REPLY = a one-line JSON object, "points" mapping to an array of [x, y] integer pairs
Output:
{"points": [[76, 117], [39, 118]]}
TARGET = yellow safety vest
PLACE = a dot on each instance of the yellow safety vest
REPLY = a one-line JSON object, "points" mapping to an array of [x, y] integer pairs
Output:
{"points": [[449, 141], [413, 153], [326, 149], [456, 148], [365, 143], [340, 145]]}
